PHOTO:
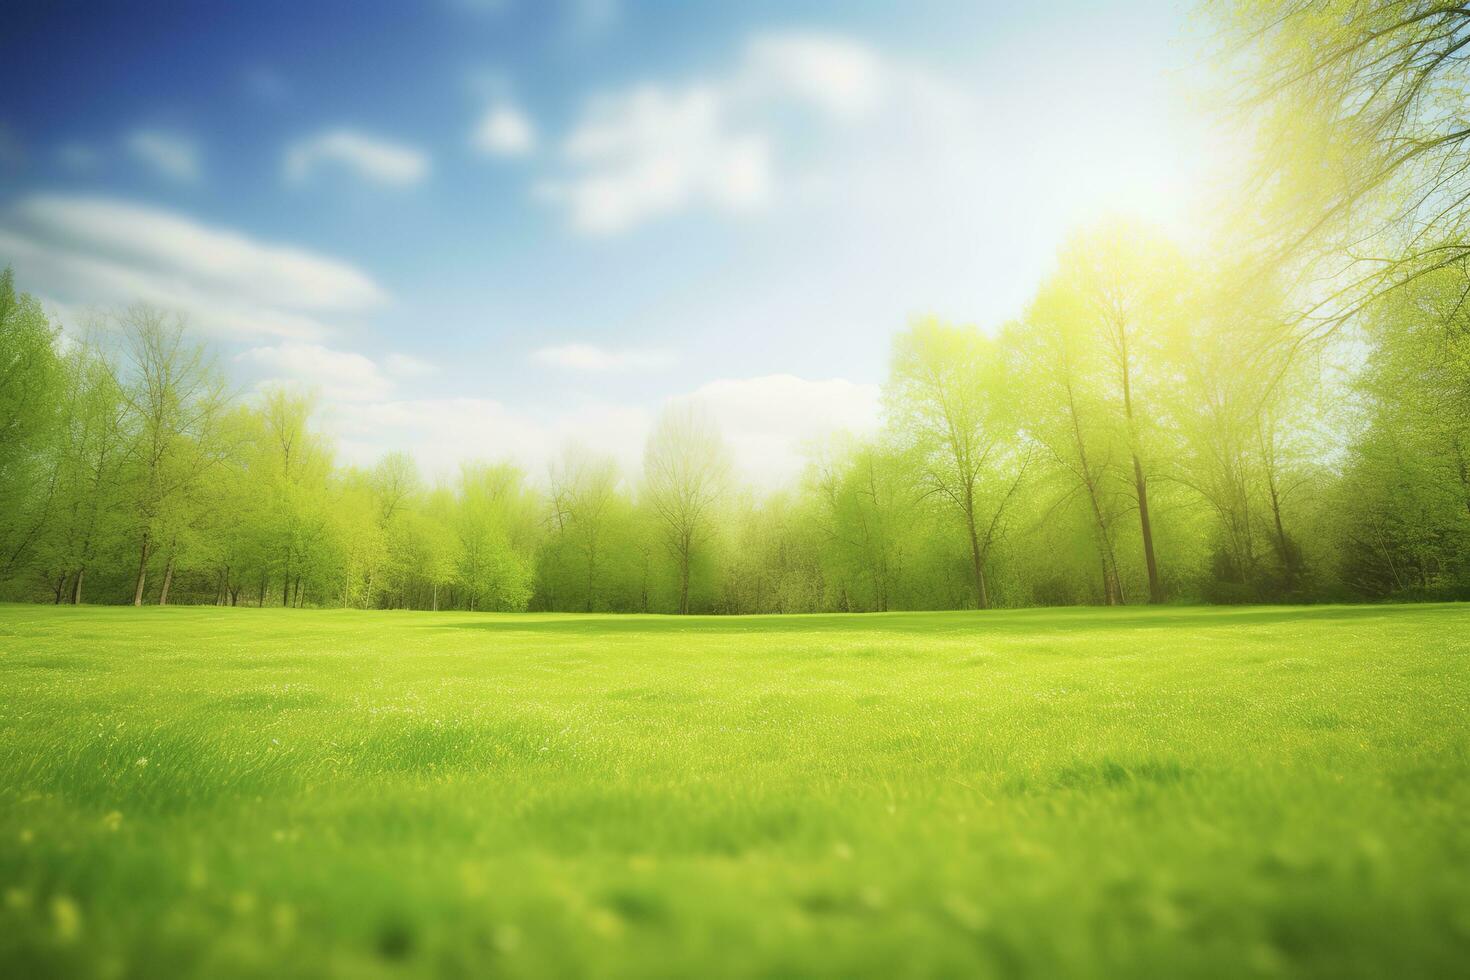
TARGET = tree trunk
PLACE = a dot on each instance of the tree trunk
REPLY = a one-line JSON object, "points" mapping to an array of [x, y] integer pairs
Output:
{"points": [[436, 596], [1112, 584], [60, 586], [168, 580], [1140, 484], [142, 571], [684, 582], [1112, 581], [1288, 560], [1155, 589], [982, 594], [76, 586], [591, 579], [263, 582]]}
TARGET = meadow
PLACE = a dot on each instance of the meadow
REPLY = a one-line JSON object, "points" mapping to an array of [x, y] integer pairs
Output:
{"points": [[1048, 793]]}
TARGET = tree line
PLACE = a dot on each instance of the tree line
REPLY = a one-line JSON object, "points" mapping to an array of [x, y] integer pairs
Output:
{"points": [[1148, 431]]}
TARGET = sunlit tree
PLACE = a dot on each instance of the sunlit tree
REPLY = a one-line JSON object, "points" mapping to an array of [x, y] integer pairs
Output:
{"points": [[945, 397], [686, 473]]}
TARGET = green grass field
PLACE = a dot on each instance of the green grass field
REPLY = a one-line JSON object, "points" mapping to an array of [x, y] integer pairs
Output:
{"points": [[1184, 792]]}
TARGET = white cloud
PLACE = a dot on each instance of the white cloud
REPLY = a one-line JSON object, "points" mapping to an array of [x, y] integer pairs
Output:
{"points": [[169, 155], [444, 432], [600, 360], [370, 157], [104, 251], [841, 77], [653, 151], [408, 366], [337, 375], [657, 149], [769, 422], [504, 131]]}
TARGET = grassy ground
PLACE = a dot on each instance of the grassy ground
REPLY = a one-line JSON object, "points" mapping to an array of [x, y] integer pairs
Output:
{"points": [[1230, 793]]}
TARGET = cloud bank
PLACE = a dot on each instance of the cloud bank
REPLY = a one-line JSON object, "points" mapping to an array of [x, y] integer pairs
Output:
{"points": [[109, 252]]}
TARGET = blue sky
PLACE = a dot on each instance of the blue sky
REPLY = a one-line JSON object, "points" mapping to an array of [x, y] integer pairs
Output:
{"points": [[482, 227]]}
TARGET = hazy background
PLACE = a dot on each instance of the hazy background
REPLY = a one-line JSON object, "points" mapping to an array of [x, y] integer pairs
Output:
{"points": [[477, 228]]}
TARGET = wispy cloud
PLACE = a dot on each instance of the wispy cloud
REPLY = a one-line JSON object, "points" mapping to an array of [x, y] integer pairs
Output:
{"points": [[169, 155], [592, 359], [658, 149], [504, 131], [103, 251], [637, 155], [337, 375], [370, 157], [844, 78]]}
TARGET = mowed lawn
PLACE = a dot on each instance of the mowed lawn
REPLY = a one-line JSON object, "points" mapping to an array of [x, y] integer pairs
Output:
{"points": [[1049, 793]]}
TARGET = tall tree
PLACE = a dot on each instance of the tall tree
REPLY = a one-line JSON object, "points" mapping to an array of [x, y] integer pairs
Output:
{"points": [[1122, 271], [396, 486], [686, 472], [89, 469], [584, 489], [177, 398], [1404, 509], [866, 514], [1061, 374], [31, 381], [495, 524], [945, 396]]}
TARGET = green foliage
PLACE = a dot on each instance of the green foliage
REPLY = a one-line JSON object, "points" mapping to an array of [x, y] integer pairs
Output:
{"points": [[949, 404], [31, 379], [1008, 473], [686, 477], [1405, 495], [496, 523], [1359, 107]]}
